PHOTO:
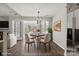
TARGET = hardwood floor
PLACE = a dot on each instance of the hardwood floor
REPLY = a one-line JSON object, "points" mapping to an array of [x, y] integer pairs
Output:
{"points": [[20, 50]]}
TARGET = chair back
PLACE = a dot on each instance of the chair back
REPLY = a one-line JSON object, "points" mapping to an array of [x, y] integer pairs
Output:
{"points": [[26, 37], [47, 37]]}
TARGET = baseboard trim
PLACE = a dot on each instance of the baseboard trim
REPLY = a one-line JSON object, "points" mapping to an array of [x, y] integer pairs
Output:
{"points": [[59, 46]]}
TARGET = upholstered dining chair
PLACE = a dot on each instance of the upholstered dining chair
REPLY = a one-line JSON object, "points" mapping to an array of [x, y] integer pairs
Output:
{"points": [[29, 41], [46, 40]]}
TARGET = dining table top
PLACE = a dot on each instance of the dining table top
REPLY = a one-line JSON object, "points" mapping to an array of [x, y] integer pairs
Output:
{"points": [[37, 34]]}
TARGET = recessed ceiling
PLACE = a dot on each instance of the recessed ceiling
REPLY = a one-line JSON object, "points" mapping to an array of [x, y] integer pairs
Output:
{"points": [[30, 9]]}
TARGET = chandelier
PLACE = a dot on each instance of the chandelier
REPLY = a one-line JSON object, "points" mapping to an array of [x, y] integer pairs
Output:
{"points": [[38, 17]]}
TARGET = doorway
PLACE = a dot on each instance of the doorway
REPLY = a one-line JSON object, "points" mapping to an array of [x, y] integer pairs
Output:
{"points": [[73, 33]]}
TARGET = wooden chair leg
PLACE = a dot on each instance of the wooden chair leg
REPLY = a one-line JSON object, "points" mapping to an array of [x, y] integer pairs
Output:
{"points": [[37, 45], [49, 47], [45, 47], [34, 44], [28, 47], [25, 45]]}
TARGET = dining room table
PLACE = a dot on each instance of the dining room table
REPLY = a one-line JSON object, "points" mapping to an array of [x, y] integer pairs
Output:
{"points": [[37, 36]]}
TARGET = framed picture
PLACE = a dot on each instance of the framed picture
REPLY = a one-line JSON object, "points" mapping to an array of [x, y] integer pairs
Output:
{"points": [[57, 26]]}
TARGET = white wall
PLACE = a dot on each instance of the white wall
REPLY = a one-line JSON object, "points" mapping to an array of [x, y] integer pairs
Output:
{"points": [[60, 38]]}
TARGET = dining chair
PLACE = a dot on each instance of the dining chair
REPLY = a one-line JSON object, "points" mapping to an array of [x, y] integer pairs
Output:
{"points": [[46, 40], [29, 41]]}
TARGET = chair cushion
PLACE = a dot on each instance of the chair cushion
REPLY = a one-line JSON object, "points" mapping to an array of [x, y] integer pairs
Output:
{"points": [[42, 40], [31, 37]]}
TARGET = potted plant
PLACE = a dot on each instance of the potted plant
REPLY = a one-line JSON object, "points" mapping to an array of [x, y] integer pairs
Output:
{"points": [[50, 31]]}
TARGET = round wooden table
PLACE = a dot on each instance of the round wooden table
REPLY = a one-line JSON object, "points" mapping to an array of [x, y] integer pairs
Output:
{"points": [[37, 38]]}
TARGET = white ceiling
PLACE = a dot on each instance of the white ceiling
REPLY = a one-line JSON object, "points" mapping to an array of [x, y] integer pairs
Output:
{"points": [[30, 9], [5, 10]]}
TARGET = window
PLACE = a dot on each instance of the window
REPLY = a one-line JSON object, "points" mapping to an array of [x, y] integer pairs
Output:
{"points": [[44, 25]]}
